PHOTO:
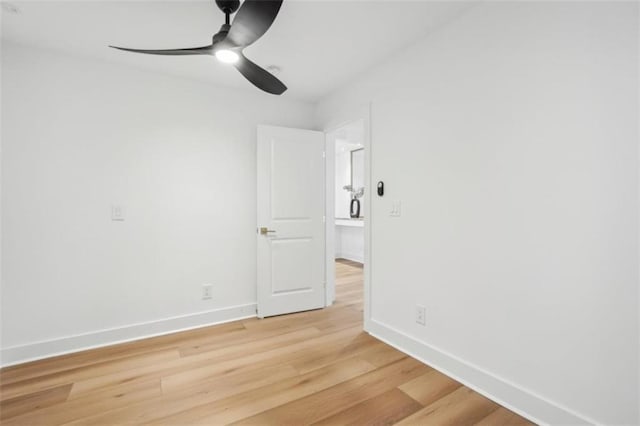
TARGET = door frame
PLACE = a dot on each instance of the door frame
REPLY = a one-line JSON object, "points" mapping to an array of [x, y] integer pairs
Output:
{"points": [[363, 115]]}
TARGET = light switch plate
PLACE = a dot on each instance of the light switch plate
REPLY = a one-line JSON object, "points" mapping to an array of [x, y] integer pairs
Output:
{"points": [[396, 207], [117, 213]]}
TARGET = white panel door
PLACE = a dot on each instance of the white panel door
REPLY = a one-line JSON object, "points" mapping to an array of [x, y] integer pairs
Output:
{"points": [[290, 233]]}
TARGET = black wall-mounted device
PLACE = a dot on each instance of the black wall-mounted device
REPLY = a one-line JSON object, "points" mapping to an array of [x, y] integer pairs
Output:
{"points": [[354, 208], [381, 188]]}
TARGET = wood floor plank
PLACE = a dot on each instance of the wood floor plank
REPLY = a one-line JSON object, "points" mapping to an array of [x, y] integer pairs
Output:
{"points": [[301, 319], [461, 407], [190, 397], [382, 355], [100, 369], [169, 403], [328, 402], [234, 337], [269, 348], [384, 409], [223, 361], [504, 417], [430, 387], [100, 401], [249, 403], [26, 403], [322, 357]]}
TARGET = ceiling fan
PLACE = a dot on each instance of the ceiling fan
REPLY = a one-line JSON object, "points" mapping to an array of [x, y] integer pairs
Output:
{"points": [[253, 19]]}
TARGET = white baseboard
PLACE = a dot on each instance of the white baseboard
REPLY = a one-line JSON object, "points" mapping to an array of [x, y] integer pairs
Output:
{"points": [[510, 395], [353, 257], [69, 344]]}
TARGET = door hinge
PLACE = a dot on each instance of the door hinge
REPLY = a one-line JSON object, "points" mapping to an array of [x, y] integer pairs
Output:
{"points": [[324, 154]]}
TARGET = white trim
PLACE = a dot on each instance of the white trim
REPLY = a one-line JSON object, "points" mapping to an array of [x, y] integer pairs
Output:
{"points": [[329, 222], [352, 257], [111, 336], [368, 208], [510, 395]]}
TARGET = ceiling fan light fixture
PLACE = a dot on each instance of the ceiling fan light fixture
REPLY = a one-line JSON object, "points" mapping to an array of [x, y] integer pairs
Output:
{"points": [[227, 56], [252, 19]]}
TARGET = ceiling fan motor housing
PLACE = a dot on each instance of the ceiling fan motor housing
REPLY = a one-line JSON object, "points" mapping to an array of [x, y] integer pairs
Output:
{"points": [[228, 6]]}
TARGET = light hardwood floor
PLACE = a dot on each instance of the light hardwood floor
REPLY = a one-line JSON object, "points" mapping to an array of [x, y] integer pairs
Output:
{"points": [[315, 367]]}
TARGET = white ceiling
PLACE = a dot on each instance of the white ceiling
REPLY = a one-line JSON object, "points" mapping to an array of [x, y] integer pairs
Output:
{"points": [[319, 45]]}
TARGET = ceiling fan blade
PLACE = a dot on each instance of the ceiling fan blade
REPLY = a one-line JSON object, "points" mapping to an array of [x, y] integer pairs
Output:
{"points": [[205, 50], [252, 20], [260, 78]]}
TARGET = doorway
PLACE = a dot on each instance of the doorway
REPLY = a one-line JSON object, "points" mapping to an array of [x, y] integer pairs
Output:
{"points": [[313, 223], [346, 199]]}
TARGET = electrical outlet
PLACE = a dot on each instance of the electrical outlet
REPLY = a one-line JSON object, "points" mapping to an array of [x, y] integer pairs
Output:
{"points": [[207, 291], [421, 315]]}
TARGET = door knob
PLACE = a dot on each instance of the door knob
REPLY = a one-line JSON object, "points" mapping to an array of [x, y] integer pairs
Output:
{"points": [[265, 231]]}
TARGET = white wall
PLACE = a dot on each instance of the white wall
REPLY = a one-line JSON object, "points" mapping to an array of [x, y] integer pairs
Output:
{"points": [[350, 243], [511, 138], [79, 136]]}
